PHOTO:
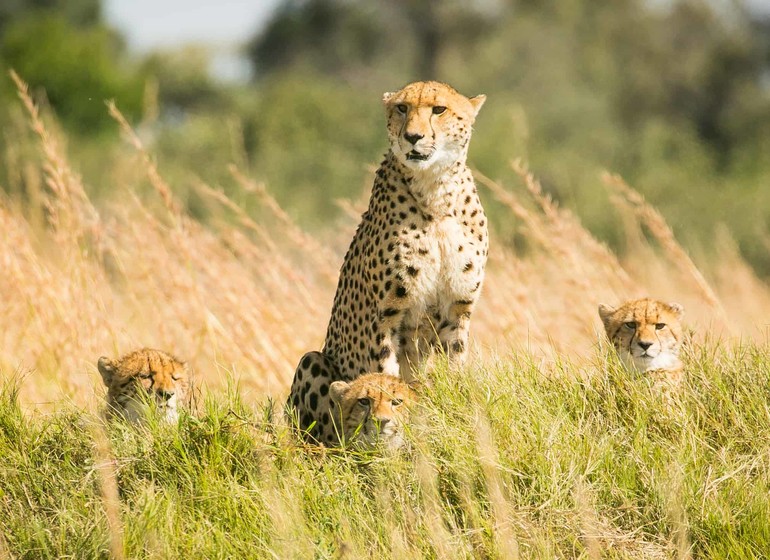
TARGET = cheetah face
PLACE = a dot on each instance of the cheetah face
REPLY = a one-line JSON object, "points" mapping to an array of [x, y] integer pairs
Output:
{"points": [[164, 394], [429, 124], [372, 409], [135, 387], [646, 333], [137, 407]]}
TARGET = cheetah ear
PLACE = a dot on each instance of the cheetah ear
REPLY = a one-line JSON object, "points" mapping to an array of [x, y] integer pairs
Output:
{"points": [[416, 386], [676, 308], [605, 312], [338, 389], [107, 369], [387, 96], [477, 101]]}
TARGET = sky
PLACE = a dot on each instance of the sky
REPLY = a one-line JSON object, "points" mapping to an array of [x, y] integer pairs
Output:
{"points": [[222, 25], [151, 24]]}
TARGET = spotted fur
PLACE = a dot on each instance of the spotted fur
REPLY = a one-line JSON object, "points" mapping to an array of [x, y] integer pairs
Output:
{"points": [[647, 335], [144, 376], [414, 269], [371, 409]]}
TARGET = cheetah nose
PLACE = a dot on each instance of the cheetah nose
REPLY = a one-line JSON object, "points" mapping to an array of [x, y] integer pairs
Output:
{"points": [[413, 138], [383, 422], [645, 345], [166, 394]]}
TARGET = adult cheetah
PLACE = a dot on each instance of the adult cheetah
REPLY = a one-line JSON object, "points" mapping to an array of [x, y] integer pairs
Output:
{"points": [[414, 269]]}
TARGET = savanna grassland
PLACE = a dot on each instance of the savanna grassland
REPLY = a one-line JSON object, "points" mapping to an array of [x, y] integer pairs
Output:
{"points": [[541, 447]]}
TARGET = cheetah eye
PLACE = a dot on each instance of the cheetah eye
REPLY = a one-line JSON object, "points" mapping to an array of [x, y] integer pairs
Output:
{"points": [[659, 326], [438, 109], [144, 375], [401, 108], [631, 325], [396, 402], [364, 402]]}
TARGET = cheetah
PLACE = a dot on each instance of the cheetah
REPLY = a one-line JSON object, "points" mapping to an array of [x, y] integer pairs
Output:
{"points": [[372, 408], [648, 336], [144, 376], [414, 269]]}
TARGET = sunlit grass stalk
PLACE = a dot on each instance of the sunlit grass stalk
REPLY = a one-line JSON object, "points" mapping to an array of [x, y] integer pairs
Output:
{"points": [[153, 174], [659, 228], [108, 490]]}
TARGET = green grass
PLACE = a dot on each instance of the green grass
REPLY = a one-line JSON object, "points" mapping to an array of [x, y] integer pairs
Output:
{"points": [[505, 461]]}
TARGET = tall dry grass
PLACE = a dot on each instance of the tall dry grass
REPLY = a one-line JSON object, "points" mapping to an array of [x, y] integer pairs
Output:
{"points": [[243, 299], [506, 462]]}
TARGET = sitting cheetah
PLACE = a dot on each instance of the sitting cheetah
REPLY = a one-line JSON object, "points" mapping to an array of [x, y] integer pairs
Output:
{"points": [[648, 336], [414, 269], [145, 376], [372, 408]]}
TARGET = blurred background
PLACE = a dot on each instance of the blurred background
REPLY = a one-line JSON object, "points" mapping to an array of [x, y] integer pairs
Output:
{"points": [[673, 95], [217, 230]]}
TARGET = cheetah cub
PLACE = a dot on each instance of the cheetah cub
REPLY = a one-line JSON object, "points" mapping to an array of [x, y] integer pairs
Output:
{"points": [[648, 336], [413, 273], [372, 408], [142, 377]]}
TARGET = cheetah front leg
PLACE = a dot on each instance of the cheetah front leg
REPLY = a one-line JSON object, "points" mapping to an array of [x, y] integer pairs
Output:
{"points": [[409, 353], [388, 341], [454, 331]]}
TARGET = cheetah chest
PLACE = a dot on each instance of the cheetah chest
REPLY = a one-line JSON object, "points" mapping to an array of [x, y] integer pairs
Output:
{"points": [[441, 266]]}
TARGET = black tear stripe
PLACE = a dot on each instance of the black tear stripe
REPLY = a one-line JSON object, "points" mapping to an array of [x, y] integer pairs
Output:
{"points": [[614, 334]]}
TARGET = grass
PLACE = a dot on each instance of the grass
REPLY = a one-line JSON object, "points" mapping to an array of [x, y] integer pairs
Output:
{"points": [[504, 462], [542, 447]]}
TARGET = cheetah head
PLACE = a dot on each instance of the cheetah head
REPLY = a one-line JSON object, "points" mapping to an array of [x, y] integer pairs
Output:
{"points": [[647, 333], [372, 408], [429, 124], [142, 378]]}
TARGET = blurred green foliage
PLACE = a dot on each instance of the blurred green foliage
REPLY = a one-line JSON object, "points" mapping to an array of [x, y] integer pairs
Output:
{"points": [[80, 13], [64, 49], [672, 95], [76, 68], [183, 80]]}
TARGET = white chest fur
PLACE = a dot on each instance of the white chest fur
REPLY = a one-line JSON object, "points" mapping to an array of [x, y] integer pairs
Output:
{"points": [[442, 266], [664, 360]]}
